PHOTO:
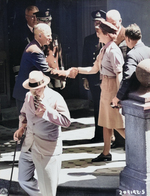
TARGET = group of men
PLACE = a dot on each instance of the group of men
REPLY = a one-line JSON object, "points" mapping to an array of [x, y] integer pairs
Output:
{"points": [[33, 17], [52, 111], [42, 111]]}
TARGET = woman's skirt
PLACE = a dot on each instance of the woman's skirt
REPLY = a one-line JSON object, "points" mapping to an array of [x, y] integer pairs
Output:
{"points": [[109, 117]]}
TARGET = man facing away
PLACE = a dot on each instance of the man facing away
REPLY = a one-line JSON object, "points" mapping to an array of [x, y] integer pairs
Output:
{"points": [[137, 53]]}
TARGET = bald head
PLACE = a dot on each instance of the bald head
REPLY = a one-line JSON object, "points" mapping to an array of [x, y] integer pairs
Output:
{"points": [[40, 28], [114, 17], [42, 33]]}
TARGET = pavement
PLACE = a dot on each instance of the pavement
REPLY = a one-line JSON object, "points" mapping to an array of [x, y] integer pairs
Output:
{"points": [[78, 176]]}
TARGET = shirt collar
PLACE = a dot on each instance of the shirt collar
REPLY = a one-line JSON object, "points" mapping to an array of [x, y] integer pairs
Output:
{"points": [[40, 45], [31, 28], [138, 42]]}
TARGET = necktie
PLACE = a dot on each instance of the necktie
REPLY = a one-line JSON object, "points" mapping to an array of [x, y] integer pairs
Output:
{"points": [[37, 100]]}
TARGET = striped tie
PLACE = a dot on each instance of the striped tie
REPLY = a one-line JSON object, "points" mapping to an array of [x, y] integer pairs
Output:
{"points": [[36, 101]]}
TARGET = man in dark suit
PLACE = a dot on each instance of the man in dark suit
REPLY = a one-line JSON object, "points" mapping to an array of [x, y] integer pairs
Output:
{"points": [[137, 53], [91, 82], [23, 37], [33, 58]]}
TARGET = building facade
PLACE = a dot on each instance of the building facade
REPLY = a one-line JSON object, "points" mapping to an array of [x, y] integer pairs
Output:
{"points": [[72, 22]]}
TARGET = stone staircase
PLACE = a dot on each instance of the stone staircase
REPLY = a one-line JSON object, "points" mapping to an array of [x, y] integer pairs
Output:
{"points": [[84, 181]]}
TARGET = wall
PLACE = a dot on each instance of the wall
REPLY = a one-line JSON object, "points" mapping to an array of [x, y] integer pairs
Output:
{"points": [[4, 67]]}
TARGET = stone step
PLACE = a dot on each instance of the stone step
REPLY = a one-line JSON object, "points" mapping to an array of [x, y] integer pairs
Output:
{"points": [[62, 190]]}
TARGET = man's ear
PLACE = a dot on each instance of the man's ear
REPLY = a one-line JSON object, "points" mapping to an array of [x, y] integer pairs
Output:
{"points": [[39, 34]]}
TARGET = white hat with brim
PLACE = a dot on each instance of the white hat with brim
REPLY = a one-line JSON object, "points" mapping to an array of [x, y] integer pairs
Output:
{"points": [[36, 80]]}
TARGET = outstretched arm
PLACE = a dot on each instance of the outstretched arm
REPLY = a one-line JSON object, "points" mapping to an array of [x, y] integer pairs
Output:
{"points": [[91, 70], [70, 73]]}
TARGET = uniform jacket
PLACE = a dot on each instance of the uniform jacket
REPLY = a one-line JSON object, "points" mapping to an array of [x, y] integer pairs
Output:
{"points": [[134, 57], [55, 47], [44, 133], [55, 59]]}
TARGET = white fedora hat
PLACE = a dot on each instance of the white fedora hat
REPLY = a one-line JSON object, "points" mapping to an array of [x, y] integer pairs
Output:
{"points": [[36, 80]]}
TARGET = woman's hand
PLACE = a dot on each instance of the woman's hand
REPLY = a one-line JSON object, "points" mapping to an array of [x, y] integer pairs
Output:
{"points": [[72, 72]]}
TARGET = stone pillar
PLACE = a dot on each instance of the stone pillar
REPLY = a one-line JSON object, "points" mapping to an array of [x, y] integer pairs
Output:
{"points": [[135, 177]]}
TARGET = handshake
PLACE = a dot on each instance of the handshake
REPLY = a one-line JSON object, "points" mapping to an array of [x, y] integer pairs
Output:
{"points": [[70, 73]]}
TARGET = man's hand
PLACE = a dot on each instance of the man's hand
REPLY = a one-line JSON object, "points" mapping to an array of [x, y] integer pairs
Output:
{"points": [[72, 72], [63, 84], [86, 84], [40, 110], [58, 74], [115, 102], [18, 134]]}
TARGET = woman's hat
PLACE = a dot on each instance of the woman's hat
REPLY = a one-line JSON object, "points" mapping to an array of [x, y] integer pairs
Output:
{"points": [[36, 80], [107, 26]]}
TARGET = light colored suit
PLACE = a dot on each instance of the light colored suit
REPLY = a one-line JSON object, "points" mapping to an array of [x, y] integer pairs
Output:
{"points": [[43, 139]]}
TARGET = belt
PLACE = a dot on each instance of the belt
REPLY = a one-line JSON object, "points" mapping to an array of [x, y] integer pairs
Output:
{"points": [[109, 76]]}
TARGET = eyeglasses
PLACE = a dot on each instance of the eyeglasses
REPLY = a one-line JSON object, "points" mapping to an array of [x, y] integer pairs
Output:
{"points": [[32, 17]]}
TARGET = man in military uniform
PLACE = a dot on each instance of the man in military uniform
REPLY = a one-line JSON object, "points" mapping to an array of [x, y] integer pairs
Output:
{"points": [[91, 82], [53, 51]]}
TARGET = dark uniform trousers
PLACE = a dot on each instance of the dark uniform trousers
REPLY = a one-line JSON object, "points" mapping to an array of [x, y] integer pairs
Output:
{"points": [[91, 49]]}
